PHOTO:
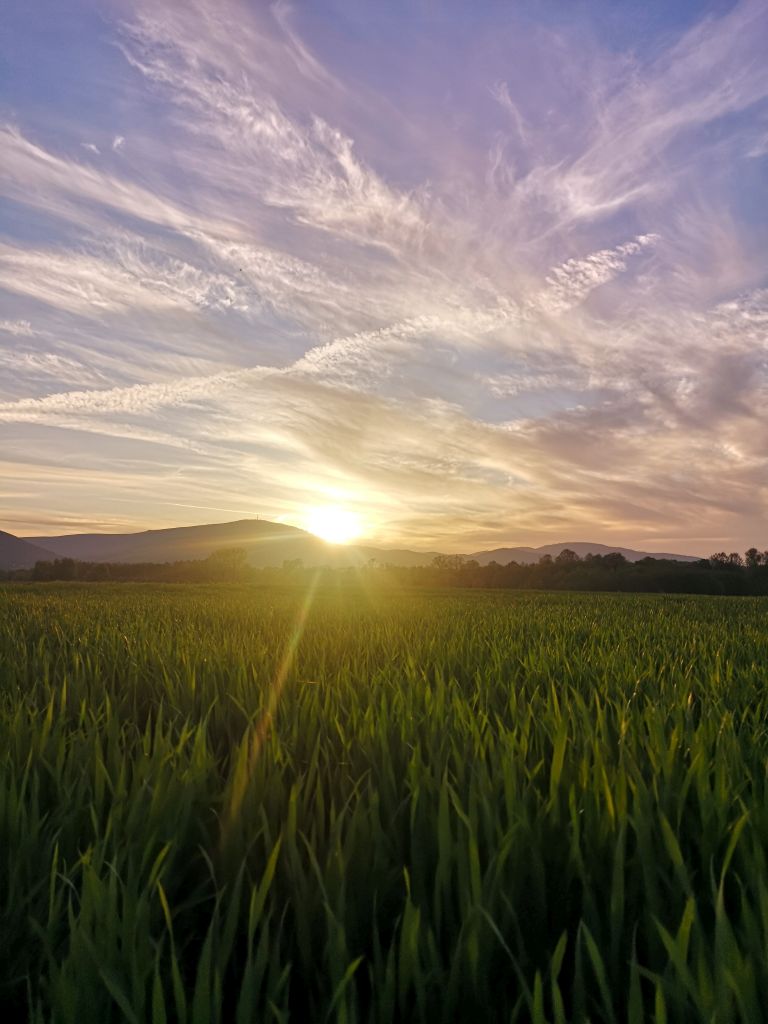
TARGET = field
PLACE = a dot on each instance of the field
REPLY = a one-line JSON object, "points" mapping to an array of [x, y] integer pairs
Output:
{"points": [[233, 804]]}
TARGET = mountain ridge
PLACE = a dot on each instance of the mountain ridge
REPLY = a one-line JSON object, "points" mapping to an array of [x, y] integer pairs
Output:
{"points": [[270, 544], [19, 552]]}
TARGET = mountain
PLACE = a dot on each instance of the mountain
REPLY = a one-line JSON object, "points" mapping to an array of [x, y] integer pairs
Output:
{"points": [[16, 553], [528, 555], [270, 544], [265, 543]]}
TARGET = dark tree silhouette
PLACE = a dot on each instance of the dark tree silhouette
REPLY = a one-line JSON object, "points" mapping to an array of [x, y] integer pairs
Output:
{"points": [[753, 558], [567, 557]]}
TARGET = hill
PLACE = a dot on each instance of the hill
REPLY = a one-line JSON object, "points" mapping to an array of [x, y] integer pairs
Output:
{"points": [[270, 544], [525, 556], [16, 553], [266, 544]]}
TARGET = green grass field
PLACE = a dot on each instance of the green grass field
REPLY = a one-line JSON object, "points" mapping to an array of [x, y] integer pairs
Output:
{"points": [[232, 804]]}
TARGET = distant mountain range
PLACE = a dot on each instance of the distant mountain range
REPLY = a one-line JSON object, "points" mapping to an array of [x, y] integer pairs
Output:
{"points": [[265, 543]]}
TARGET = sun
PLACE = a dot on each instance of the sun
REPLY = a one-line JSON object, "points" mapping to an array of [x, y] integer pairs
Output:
{"points": [[333, 523]]}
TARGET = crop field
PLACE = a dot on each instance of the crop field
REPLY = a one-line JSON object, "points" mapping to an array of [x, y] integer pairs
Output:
{"points": [[235, 804]]}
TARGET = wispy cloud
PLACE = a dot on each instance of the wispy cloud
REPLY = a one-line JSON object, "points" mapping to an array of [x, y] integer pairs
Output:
{"points": [[19, 328], [50, 367], [570, 283], [306, 166], [121, 280]]}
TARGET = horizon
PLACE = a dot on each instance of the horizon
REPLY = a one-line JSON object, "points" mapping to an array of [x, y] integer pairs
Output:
{"points": [[445, 543], [460, 273], [360, 542]]}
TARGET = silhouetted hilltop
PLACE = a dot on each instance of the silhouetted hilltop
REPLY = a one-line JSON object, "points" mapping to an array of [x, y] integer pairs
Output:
{"points": [[266, 544], [16, 553]]}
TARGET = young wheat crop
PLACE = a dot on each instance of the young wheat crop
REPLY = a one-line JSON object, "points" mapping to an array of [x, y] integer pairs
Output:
{"points": [[230, 804]]}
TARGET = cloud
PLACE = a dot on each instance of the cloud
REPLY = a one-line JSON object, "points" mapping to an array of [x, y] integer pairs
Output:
{"points": [[307, 165], [118, 142], [639, 133], [82, 193], [135, 400], [19, 328], [500, 92], [43, 365], [572, 282], [128, 280]]}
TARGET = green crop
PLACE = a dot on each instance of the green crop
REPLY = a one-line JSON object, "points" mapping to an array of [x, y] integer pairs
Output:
{"points": [[235, 804]]}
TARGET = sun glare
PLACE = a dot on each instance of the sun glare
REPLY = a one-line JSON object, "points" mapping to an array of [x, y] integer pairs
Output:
{"points": [[333, 524]]}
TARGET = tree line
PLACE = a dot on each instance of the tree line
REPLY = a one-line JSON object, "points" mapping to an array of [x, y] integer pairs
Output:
{"points": [[222, 566], [722, 573]]}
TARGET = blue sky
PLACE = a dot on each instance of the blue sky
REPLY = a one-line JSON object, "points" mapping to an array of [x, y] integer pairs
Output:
{"points": [[481, 273]]}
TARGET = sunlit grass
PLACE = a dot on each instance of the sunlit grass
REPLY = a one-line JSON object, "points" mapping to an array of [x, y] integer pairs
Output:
{"points": [[227, 804]]}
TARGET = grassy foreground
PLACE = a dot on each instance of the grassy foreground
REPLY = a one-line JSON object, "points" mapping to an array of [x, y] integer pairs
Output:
{"points": [[229, 804]]}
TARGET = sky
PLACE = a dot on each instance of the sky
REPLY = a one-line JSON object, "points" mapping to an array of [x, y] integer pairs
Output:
{"points": [[479, 274]]}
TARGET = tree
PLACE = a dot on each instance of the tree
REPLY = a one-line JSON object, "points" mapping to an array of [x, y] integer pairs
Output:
{"points": [[230, 561], [753, 558], [447, 562], [65, 568], [567, 557]]}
